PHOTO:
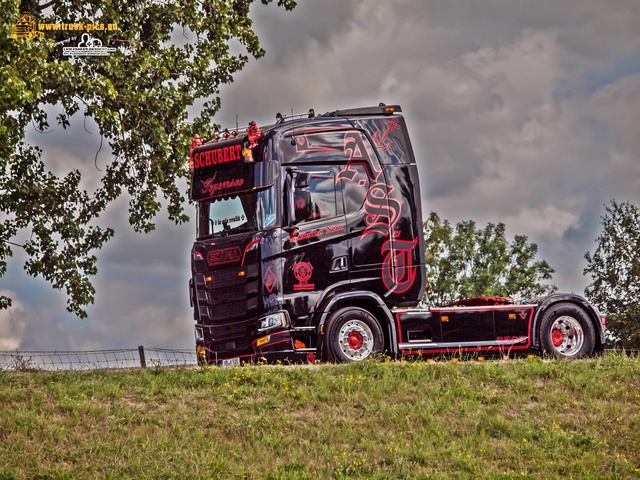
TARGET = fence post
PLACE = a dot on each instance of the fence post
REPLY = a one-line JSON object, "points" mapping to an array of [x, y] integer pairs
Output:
{"points": [[143, 362]]}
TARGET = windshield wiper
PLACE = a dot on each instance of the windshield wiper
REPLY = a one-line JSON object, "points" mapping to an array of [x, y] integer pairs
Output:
{"points": [[241, 230], [233, 231]]}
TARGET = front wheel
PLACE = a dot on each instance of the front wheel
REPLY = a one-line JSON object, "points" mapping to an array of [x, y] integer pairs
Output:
{"points": [[567, 332], [352, 334]]}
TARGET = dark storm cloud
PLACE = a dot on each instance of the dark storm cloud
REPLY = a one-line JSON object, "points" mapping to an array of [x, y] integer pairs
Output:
{"points": [[284, 35]]}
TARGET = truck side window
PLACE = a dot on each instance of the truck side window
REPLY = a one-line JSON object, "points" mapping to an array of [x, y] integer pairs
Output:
{"points": [[316, 201], [354, 189]]}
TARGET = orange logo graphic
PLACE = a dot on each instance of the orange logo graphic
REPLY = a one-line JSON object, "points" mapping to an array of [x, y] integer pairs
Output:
{"points": [[26, 27]]}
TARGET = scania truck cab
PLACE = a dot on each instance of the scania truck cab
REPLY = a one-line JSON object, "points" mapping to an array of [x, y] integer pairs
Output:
{"points": [[309, 246]]}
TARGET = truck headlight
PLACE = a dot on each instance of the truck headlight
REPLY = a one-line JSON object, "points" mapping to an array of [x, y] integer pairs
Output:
{"points": [[272, 321]]}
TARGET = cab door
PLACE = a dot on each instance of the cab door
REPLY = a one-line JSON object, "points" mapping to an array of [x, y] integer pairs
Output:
{"points": [[316, 248]]}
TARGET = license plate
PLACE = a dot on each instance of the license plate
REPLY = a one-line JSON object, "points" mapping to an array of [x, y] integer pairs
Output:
{"points": [[230, 362]]}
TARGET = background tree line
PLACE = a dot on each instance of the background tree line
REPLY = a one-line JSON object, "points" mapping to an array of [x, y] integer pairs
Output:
{"points": [[466, 261], [614, 268]]}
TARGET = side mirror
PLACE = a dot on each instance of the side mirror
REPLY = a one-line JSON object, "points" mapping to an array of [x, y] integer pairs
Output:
{"points": [[303, 179]]}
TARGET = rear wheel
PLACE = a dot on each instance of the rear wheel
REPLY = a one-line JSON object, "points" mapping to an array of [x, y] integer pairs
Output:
{"points": [[567, 332], [352, 334]]}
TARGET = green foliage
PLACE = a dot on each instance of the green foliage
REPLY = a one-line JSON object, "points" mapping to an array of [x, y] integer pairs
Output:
{"points": [[465, 262], [615, 272], [495, 419], [169, 54]]}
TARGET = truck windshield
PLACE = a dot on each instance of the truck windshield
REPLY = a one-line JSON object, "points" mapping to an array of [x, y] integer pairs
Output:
{"points": [[245, 212]]}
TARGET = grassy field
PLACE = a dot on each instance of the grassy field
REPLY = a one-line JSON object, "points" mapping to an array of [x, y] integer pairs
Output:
{"points": [[524, 418]]}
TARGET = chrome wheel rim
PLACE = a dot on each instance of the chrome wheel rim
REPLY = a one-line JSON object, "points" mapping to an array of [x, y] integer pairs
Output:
{"points": [[567, 335], [356, 340]]}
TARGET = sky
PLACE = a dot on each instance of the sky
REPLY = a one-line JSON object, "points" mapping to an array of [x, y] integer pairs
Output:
{"points": [[520, 112]]}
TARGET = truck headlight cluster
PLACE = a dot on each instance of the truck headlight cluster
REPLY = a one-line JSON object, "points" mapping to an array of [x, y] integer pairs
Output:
{"points": [[272, 321]]}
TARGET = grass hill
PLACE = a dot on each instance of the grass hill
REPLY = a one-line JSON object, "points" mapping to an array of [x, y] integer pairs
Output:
{"points": [[526, 418]]}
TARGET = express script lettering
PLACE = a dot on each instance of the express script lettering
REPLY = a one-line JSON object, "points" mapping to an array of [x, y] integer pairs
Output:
{"points": [[211, 187]]}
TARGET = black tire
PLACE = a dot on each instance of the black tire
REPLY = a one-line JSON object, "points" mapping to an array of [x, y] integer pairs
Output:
{"points": [[352, 334], [567, 332]]}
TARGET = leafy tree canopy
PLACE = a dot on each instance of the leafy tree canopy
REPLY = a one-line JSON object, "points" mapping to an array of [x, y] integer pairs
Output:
{"points": [[615, 271], [168, 54], [467, 262]]}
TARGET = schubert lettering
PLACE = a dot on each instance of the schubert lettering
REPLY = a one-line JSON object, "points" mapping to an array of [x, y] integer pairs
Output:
{"points": [[232, 153]]}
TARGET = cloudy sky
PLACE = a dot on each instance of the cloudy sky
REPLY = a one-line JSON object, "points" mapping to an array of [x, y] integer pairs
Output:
{"points": [[521, 112]]}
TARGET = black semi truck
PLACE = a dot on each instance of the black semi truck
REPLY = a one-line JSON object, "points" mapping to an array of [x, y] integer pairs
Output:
{"points": [[310, 246]]}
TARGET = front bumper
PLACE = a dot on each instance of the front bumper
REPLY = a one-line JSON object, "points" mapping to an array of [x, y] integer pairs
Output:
{"points": [[267, 348], [236, 337]]}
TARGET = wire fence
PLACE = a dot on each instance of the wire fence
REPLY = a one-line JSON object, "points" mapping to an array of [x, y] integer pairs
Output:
{"points": [[140, 357]]}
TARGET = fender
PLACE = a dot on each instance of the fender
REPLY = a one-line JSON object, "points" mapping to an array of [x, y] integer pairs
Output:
{"points": [[359, 295], [544, 303]]}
